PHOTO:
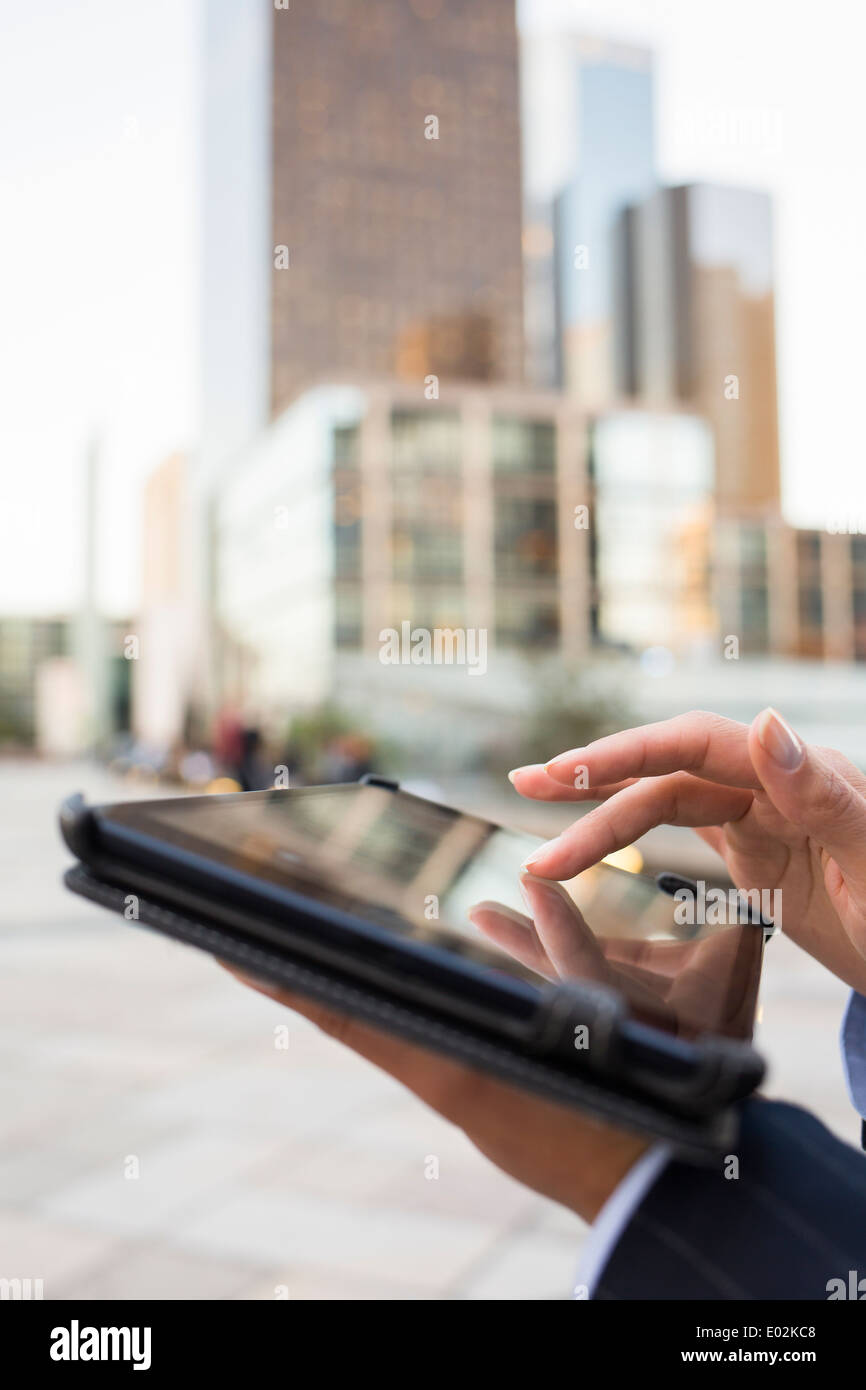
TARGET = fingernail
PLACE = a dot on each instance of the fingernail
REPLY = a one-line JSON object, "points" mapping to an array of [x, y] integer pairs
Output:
{"points": [[526, 883], [779, 741], [514, 771], [541, 853], [563, 766], [500, 909], [528, 880]]}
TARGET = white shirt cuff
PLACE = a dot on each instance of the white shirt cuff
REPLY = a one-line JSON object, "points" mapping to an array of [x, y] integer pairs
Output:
{"points": [[615, 1215]]}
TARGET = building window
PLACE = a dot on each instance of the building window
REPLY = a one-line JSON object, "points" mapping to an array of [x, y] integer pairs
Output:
{"points": [[810, 597], [525, 538], [427, 498], [524, 620], [428, 608], [425, 441], [523, 446], [346, 447], [348, 625], [754, 590]]}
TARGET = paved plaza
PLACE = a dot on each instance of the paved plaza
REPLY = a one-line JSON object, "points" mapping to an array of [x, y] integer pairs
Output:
{"points": [[262, 1171]]}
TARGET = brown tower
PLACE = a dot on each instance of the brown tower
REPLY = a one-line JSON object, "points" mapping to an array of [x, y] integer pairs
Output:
{"points": [[395, 191], [700, 319]]}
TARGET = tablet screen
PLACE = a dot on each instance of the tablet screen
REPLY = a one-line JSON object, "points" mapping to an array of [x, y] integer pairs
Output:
{"points": [[417, 868]]}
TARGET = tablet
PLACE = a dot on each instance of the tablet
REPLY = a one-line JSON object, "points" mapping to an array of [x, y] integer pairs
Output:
{"points": [[359, 895]]}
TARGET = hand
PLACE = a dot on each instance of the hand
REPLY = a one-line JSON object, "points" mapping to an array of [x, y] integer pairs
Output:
{"points": [[782, 816], [551, 1148], [682, 986]]}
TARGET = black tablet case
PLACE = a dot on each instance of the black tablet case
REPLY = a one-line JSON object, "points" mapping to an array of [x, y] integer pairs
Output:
{"points": [[697, 1137]]}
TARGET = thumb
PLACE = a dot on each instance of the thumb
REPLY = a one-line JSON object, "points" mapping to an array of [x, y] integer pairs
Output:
{"points": [[811, 793]]}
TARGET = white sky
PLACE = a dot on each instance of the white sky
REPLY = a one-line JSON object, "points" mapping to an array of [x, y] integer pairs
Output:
{"points": [[98, 271], [98, 100]]}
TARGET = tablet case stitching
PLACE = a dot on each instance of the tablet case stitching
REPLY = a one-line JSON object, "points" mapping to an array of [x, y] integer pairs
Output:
{"points": [[418, 1027]]}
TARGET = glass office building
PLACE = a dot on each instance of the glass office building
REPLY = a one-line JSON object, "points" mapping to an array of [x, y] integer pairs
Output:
{"points": [[361, 199], [365, 508], [589, 150], [696, 326], [791, 592]]}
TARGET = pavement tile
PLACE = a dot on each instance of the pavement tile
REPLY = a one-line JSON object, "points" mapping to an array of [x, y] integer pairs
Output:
{"points": [[32, 1247], [532, 1267], [328, 1285], [177, 1177], [426, 1251], [135, 1272], [261, 1167]]}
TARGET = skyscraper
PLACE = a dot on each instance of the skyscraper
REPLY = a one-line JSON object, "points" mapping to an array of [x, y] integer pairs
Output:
{"points": [[697, 325], [589, 150], [362, 204]]}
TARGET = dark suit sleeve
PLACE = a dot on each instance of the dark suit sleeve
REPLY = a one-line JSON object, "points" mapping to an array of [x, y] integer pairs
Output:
{"points": [[794, 1219]]}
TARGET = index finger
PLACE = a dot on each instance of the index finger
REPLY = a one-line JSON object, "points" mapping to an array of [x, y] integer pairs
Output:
{"points": [[706, 745]]}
